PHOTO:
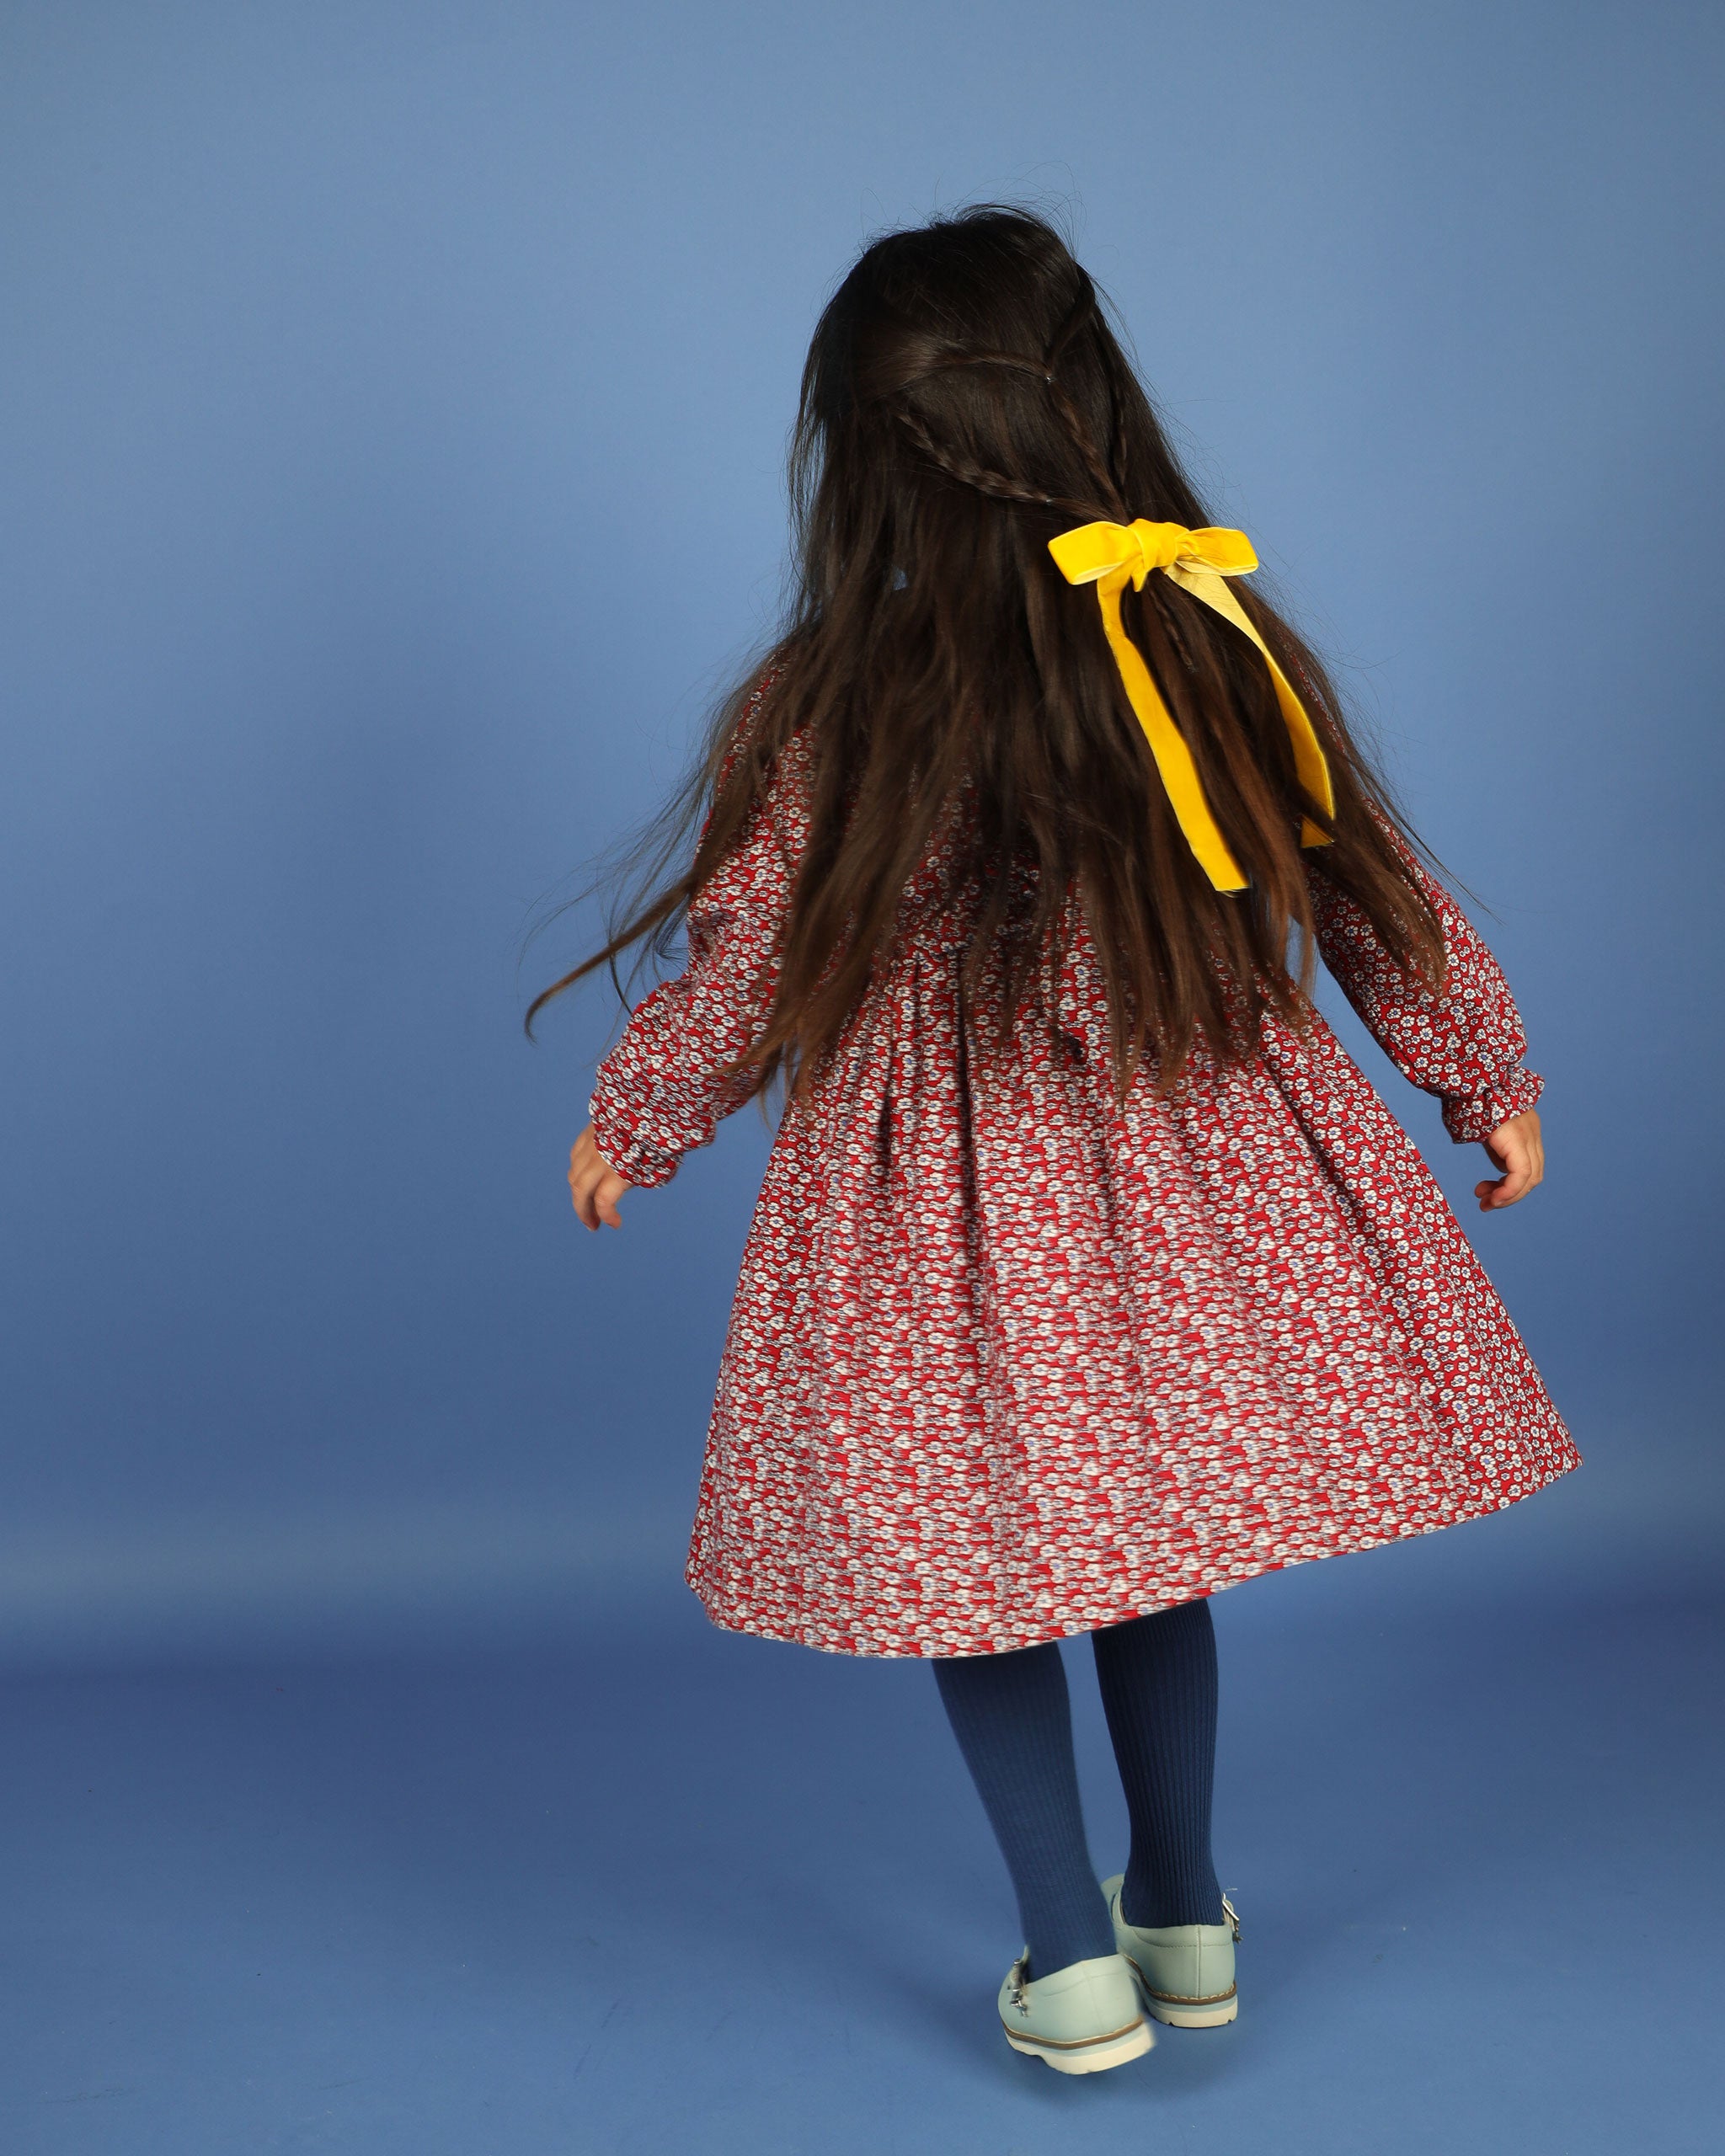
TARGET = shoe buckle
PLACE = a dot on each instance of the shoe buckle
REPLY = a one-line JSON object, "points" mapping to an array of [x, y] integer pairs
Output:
{"points": [[1233, 1916], [1017, 1977]]}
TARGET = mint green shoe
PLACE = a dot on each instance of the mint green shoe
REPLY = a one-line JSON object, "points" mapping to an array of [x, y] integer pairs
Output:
{"points": [[1079, 2019], [1185, 1971]]}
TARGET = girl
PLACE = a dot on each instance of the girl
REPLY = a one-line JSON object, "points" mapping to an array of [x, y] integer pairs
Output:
{"points": [[1089, 1275]]}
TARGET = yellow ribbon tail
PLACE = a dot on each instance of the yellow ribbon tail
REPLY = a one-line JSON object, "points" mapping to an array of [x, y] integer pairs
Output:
{"points": [[1173, 759], [1310, 763]]}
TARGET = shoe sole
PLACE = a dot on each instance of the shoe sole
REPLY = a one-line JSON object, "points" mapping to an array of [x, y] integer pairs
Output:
{"points": [[1088, 2054], [1187, 2012]]}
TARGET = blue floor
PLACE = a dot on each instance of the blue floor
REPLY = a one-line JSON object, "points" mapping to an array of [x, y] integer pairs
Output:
{"points": [[657, 1888]]}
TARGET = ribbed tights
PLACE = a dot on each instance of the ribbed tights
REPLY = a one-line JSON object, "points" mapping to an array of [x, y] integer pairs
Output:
{"points": [[1012, 1717]]}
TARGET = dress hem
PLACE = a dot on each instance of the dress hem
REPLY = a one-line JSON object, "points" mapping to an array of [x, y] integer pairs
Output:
{"points": [[822, 1642]]}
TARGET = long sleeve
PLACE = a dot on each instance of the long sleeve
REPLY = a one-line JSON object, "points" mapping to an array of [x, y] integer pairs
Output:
{"points": [[659, 1093], [1464, 1043]]}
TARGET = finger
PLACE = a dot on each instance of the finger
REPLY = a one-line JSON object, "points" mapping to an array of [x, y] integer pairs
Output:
{"points": [[594, 1185], [582, 1185], [1516, 1183], [585, 1170]]}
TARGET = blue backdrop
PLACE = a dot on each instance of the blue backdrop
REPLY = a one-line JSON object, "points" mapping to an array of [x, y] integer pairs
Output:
{"points": [[393, 401]]}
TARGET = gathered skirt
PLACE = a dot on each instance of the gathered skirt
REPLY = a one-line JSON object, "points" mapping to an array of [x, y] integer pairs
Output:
{"points": [[1010, 1359]]}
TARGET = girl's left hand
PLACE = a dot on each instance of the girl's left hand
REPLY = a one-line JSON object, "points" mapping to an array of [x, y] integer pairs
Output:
{"points": [[1516, 1148], [593, 1184]]}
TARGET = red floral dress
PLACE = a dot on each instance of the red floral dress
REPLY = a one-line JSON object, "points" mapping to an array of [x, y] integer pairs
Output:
{"points": [[1008, 1360]]}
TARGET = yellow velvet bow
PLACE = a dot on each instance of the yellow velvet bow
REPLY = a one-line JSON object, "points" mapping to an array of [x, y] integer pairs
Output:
{"points": [[1109, 556]]}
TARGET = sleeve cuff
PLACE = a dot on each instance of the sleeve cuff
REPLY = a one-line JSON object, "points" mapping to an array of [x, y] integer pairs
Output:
{"points": [[628, 1152], [1471, 1118]]}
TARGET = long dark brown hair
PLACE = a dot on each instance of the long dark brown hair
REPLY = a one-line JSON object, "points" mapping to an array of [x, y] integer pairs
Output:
{"points": [[964, 401]]}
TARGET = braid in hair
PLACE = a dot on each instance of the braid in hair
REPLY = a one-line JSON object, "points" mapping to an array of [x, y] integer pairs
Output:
{"points": [[1097, 466], [1107, 473], [1117, 438], [970, 473], [1105, 470]]}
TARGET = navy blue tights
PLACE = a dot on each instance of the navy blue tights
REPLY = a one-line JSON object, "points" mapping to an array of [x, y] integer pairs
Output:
{"points": [[1012, 1717]]}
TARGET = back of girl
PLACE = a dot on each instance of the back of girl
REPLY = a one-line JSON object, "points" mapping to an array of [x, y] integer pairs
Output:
{"points": [[1089, 1276]]}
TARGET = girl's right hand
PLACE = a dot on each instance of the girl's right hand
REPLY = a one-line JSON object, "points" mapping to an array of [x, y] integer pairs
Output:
{"points": [[1518, 1149], [593, 1184]]}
